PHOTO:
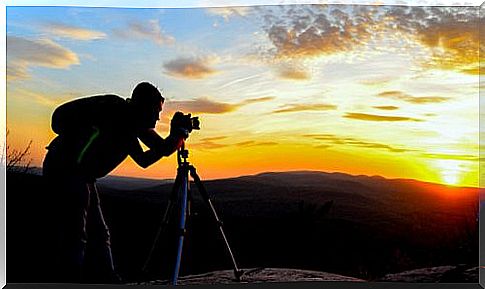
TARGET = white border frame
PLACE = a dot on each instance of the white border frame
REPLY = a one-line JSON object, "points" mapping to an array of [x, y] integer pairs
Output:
{"points": [[148, 4]]}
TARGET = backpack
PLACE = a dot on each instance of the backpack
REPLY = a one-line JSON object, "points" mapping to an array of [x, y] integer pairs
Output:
{"points": [[80, 115]]}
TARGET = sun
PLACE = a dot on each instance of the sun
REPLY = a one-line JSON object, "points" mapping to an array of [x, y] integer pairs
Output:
{"points": [[451, 171], [450, 178]]}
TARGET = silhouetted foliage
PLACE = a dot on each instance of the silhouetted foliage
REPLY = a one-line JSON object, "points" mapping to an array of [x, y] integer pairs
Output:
{"points": [[17, 160]]}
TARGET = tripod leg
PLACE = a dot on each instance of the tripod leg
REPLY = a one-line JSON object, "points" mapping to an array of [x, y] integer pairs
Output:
{"points": [[165, 219], [183, 171], [205, 196]]}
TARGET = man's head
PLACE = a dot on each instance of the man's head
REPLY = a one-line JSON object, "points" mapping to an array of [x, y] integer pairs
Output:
{"points": [[147, 101]]}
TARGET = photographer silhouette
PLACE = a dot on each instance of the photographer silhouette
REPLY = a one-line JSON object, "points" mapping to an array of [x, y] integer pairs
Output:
{"points": [[95, 134]]}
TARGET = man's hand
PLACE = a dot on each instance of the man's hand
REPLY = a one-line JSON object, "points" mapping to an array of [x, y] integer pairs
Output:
{"points": [[179, 126]]}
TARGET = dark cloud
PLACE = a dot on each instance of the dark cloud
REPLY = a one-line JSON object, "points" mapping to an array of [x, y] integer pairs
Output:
{"points": [[375, 117], [305, 107], [413, 99], [191, 68]]}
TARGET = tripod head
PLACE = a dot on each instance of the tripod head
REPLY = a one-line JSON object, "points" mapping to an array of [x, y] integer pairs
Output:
{"points": [[182, 155]]}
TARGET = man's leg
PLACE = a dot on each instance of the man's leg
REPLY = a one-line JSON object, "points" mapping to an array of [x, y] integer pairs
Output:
{"points": [[72, 210], [99, 258]]}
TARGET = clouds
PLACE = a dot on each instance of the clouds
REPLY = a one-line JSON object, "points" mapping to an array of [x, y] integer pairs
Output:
{"points": [[209, 143], [451, 32], [190, 68], [228, 12], [72, 32], [329, 140], [311, 30], [291, 73], [17, 71], [458, 157], [23, 53], [212, 143], [375, 117], [412, 99], [150, 30], [251, 143], [259, 99], [305, 107], [39, 98], [448, 34], [204, 105], [386, 107]]}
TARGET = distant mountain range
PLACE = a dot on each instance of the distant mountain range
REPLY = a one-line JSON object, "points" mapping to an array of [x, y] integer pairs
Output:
{"points": [[372, 200], [360, 226]]}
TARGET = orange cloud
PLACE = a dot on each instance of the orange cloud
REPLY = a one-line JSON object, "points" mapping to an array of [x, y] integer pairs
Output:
{"points": [[255, 143], [456, 43], [214, 138], [331, 140], [305, 107], [201, 105], [23, 53], [386, 107], [312, 30], [451, 33], [293, 74], [209, 106], [189, 68], [413, 99], [207, 145], [73, 32], [374, 117], [259, 99], [376, 81]]}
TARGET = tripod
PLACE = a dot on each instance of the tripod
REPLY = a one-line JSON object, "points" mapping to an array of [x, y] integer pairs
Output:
{"points": [[180, 192]]}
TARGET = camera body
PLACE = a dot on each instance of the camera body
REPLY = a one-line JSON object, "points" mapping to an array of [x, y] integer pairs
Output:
{"points": [[185, 121], [192, 122]]}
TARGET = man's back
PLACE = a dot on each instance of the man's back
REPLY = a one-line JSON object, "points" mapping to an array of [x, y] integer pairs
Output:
{"points": [[94, 135]]}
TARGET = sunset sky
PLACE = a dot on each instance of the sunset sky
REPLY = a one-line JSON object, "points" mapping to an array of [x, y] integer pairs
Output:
{"points": [[375, 90]]}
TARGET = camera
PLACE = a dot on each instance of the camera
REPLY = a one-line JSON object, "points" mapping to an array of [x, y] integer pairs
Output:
{"points": [[185, 121], [192, 122]]}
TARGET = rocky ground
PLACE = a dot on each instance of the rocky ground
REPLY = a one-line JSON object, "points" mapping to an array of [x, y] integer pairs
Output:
{"points": [[448, 274], [259, 275], [445, 274]]}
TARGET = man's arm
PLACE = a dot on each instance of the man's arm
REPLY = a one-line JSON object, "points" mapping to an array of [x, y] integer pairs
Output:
{"points": [[158, 147]]}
